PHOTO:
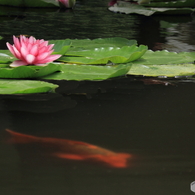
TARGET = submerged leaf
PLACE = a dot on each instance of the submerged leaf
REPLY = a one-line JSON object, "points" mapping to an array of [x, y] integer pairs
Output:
{"points": [[25, 86]]}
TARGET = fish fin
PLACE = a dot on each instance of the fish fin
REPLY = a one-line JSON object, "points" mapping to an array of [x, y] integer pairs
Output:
{"points": [[20, 138], [120, 160], [69, 156], [82, 143]]}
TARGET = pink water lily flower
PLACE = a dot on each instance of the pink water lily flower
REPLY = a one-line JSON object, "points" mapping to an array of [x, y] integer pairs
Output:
{"points": [[31, 51]]}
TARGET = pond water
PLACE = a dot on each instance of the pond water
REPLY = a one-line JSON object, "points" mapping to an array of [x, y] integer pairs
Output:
{"points": [[154, 123]]}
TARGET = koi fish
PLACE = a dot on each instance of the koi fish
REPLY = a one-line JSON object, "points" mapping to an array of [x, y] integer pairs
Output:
{"points": [[74, 150]]}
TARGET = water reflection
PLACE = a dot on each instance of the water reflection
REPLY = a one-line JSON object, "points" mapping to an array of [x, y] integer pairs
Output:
{"points": [[38, 103], [154, 123]]}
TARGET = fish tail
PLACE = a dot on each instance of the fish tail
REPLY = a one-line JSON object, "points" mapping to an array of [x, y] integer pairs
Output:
{"points": [[19, 137], [119, 160]]}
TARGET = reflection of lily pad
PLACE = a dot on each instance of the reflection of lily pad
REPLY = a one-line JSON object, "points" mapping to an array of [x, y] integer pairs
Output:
{"points": [[8, 86], [88, 72], [105, 55], [129, 8], [28, 71]]}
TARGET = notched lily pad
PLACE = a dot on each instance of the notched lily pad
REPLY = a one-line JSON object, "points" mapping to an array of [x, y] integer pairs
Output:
{"points": [[88, 72], [105, 55], [153, 8], [87, 44], [164, 63]]}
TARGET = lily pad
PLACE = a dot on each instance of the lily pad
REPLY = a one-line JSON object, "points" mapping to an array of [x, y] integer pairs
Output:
{"points": [[8, 86], [28, 71], [105, 55], [27, 3], [171, 4], [61, 46], [163, 70], [129, 8], [164, 63], [88, 72], [88, 44], [5, 57], [164, 57]]}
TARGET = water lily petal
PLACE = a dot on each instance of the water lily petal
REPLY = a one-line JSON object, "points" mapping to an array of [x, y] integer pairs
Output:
{"points": [[34, 50], [18, 63], [23, 51], [31, 40], [10, 47], [43, 56], [50, 58], [16, 42], [30, 58], [17, 54]]}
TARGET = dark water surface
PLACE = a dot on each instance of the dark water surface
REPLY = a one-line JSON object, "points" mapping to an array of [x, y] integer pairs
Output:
{"points": [[154, 123]]}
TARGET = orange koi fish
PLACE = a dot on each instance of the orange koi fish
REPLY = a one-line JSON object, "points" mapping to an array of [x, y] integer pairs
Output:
{"points": [[75, 150]]}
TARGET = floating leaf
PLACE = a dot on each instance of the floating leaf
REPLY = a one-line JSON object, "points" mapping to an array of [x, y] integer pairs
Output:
{"points": [[106, 42], [105, 55], [60, 46], [27, 3], [5, 58], [164, 63], [129, 8], [28, 71], [164, 57], [171, 4], [163, 70], [25, 86], [88, 72]]}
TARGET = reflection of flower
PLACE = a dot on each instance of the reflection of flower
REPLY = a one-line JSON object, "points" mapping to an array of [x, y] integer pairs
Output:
{"points": [[31, 51], [67, 3]]}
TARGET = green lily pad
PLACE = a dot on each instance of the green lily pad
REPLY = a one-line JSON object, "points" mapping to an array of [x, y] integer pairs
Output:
{"points": [[105, 55], [28, 71], [88, 72], [87, 44], [5, 57], [163, 70], [164, 63], [61, 46], [129, 8], [27, 3], [164, 57], [171, 4], [8, 86]]}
